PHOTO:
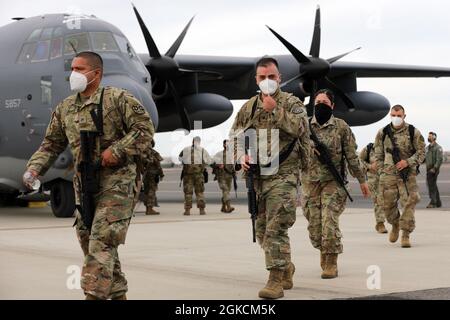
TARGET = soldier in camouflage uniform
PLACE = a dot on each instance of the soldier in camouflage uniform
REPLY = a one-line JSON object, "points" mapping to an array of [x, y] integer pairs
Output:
{"points": [[224, 171], [369, 165], [392, 187], [324, 199], [153, 174], [195, 159], [128, 131], [276, 187], [433, 159]]}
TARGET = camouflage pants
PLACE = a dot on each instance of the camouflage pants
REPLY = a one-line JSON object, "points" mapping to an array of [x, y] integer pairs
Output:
{"points": [[102, 276], [377, 199], [323, 203], [225, 185], [150, 187], [276, 206], [393, 189], [191, 183]]}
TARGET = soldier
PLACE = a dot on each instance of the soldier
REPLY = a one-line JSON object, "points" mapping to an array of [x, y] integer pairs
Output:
{"points": [[433, 160], [194, 174], [369, 165], [225, 173], [324, 197], [153, 174], [399, 150], [276, 187], [127, 131]]}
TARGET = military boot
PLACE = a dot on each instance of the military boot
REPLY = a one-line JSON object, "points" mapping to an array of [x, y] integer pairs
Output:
{"points": [[224, 208], [274, 286], [380, 227], [323, 260], [405, 239], [151, 212], [91, 297], [288, 275], [121, 297], [187, 211], [202, 211], [228, 206], [393, 236], [330, 270]]}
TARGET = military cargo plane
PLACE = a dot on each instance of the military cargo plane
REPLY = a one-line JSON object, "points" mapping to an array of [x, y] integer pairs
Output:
{"points": [[35, 65]]}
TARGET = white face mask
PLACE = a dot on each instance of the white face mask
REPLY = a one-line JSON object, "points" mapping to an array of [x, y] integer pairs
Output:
{"points": [[397, 121], [78, 81], [268, 86]]}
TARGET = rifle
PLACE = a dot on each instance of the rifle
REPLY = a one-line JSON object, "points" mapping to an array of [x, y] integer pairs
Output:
{"points": [[88, 168], [251, 193], [235, 184], [396, 157], [325, 158], [181, 176]]}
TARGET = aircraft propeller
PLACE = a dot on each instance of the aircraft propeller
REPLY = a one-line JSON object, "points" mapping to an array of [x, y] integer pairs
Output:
{"points": [[314, 69]]}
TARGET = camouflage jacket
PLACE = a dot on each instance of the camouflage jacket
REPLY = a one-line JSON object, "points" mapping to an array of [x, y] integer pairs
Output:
{"points": [[194, 159], [288, 120], [225, 158], [153, 163], [337, 136], [383, 149], [127, 127], [434, 157]]}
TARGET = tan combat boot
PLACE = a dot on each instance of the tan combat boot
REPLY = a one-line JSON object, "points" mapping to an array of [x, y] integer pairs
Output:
{"points": [[151, 212], [228, 206], [330, 270], [274, 286], [405, 239], [202, 211], [91, 297], [121, 297], [288, 275], [323, 260], [224, 208], [393, 236], [187, 211], [380, 227]]}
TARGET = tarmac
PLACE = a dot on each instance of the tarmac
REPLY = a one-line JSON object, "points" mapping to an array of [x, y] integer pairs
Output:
{"points": [[172, 256]]}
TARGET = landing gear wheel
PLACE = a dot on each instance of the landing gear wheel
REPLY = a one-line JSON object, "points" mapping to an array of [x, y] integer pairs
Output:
{"points": [[62, 199]]}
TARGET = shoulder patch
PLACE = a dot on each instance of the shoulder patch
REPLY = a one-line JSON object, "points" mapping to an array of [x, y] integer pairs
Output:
{"points": [[138, 109], [297, 110]]}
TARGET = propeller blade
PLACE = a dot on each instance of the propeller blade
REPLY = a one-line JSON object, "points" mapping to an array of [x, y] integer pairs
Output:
{"points": [[151, 45], [300, 57], [185, 121], [348, 102], [292, 79], [176, 45], [332, 60], [315, 43]]}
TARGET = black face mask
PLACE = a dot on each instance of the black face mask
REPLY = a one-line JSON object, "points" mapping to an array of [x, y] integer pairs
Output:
{"points": [[322, 112]]}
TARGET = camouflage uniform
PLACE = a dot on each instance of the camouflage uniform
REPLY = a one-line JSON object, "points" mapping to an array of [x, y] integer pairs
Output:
{"points": [[324, 199], [392, 187], [225, 175], [276, 191], [152, 175], [128, 130], [373, 179], [433, 160], [195, 160]]}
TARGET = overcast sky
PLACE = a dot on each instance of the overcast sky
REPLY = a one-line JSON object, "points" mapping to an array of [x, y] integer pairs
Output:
{"points": [[403, 32]]}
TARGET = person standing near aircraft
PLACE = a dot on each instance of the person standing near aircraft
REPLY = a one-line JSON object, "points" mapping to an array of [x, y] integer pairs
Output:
{"points": [[369, 165], [273, 110], [324, 193], [225, 172], [433, 159], [399, 150], [153, 174], [195, 159], [123, 130]]}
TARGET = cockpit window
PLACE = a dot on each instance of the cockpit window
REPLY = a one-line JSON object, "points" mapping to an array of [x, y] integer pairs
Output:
{"points": [[46, 34], [27, 52], [56, 48], [103, 41], [79, 42], [58, 32], [34, 35], [124, 46], [42, 51]]}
